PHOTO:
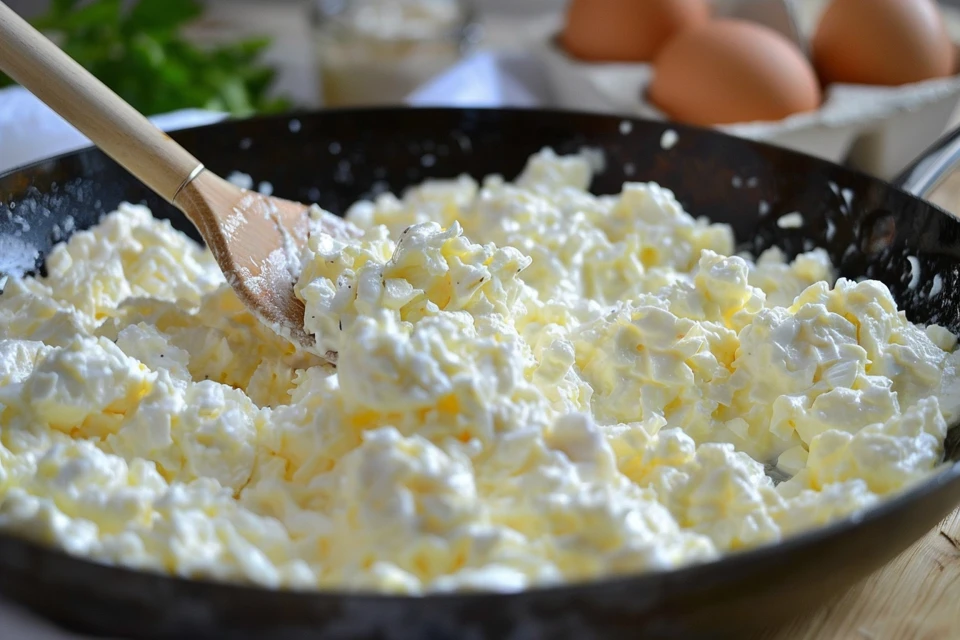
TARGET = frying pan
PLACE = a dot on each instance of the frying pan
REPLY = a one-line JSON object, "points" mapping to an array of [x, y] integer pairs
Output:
{"points": [[869, 228]]}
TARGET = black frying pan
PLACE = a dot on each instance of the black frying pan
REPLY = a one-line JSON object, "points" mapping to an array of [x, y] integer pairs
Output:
{"points": [[335, 158]]}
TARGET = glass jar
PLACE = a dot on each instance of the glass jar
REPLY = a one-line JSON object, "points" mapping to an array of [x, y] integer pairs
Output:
{"points": [[375, 52]]}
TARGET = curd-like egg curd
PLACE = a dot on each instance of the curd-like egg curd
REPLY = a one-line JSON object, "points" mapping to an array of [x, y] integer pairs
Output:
{"points": [[534, 385]]}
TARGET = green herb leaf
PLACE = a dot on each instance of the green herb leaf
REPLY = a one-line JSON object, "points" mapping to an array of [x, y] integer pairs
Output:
{"points": [[62, 6], [162, 15], [141, 55], [95, 14]]}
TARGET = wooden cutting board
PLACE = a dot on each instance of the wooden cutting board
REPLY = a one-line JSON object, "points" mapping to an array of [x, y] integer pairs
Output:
{"points": [[915, 597]]}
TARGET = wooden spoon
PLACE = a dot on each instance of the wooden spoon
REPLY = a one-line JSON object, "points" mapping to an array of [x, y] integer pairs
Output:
{"points": [[255, 239]]}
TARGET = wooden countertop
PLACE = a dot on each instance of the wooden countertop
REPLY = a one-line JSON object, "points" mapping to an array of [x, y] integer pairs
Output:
{"points": [[915, 597]]}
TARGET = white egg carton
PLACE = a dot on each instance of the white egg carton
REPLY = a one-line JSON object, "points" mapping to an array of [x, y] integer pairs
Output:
{"points": [[878, 129]]}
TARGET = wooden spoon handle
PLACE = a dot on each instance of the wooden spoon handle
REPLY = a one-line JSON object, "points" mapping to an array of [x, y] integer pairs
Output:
{"points": [[86, 103]]}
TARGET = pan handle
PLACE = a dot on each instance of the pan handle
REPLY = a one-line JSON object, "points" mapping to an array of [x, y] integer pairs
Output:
{"points": [[922, 177]]}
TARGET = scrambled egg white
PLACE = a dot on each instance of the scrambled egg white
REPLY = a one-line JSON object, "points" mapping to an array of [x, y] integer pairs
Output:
{"points": [[594, 390]]}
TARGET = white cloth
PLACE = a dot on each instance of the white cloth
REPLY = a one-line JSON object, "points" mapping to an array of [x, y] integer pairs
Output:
{"points": [[30, 131]]}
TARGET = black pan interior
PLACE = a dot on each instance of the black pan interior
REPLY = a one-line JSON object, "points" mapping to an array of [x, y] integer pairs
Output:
{"points": [[335, 158]]}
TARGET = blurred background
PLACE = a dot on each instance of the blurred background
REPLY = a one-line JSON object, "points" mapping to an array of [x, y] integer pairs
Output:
{"points": [[317, 58], [269, 55], [244, 57], [302, 39]]}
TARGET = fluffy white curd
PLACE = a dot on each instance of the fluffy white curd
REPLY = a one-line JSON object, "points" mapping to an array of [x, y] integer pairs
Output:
{"points": [[534, 386]]}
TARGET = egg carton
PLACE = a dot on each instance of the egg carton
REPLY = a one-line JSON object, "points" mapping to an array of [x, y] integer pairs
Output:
{"points": [[876, 129]]}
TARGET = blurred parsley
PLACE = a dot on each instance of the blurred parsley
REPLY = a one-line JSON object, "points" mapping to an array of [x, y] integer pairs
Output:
{"points": [[140, 54]]}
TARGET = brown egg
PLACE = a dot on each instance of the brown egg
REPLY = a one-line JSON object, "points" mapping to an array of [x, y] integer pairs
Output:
{"points": [[729, 71], [882, 42], [627, 30]]}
